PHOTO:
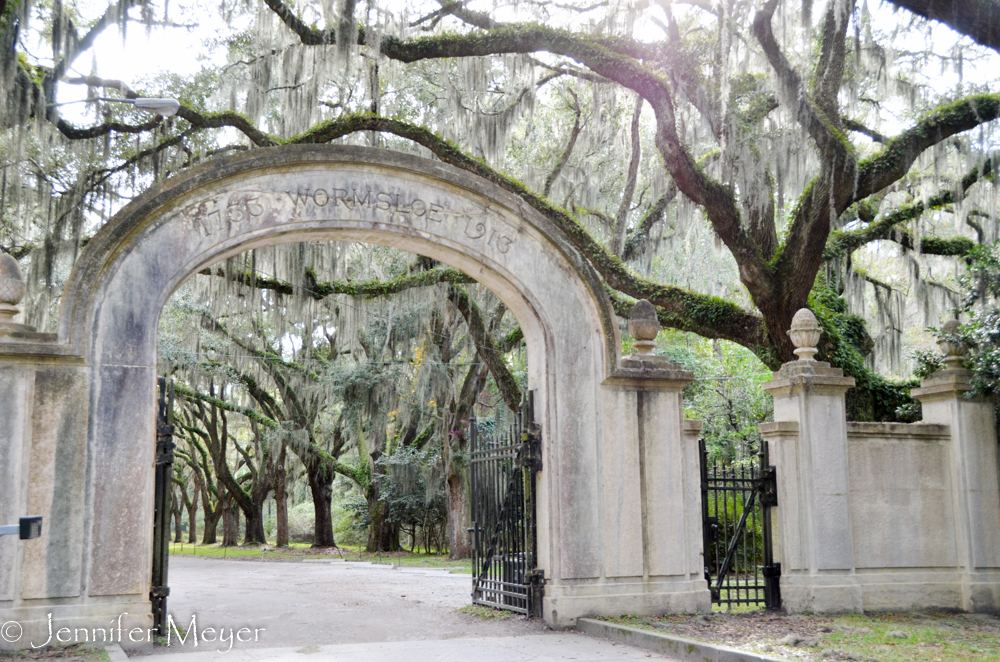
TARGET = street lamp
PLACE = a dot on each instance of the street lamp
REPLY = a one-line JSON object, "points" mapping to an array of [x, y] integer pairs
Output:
{"points": [[164, 107], [28, 528]]}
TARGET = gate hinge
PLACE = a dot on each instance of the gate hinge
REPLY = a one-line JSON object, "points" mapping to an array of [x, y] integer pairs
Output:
{"points": [[531, 454], [159, 592], [773, 570], [165, 444], [769, 487], [536, 577]]}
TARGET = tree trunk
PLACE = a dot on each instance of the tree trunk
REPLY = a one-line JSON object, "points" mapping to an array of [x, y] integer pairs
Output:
{"points": [[254, 534], [320, 481], [192, 508], [212, 513], [210, 536], [281, 501], [383, 536], [230, 522], [458, 518], [175, 510]]}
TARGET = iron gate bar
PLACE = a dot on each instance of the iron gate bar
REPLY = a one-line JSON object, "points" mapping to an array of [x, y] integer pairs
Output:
{"points": [[502, 475], [747, 573], [740, 531], [159, 590]]}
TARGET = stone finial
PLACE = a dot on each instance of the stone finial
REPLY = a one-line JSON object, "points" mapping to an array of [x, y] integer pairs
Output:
{"points": [[644, 326], [954, 355], [805, 333], [12, 288]]}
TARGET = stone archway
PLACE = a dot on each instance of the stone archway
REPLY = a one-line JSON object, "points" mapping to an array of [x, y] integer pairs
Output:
{"points": [[618, 529]]}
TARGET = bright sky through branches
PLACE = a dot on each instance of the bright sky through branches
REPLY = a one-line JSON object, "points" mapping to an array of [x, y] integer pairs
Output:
{"points": [[183, 51]]}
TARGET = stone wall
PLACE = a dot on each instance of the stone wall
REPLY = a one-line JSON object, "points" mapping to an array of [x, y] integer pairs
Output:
{"points": [[884, 516]]}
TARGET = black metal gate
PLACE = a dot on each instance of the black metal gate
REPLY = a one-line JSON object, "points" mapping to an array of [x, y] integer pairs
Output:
{"points": [[504, 549], [159, 590], [736, 503]]}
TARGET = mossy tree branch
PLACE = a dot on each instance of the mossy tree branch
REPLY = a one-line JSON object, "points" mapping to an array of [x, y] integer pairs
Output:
{"points": [[842, 244], [637, 240], [893, 162], [687, 310], [486, 348], [573, 135]]}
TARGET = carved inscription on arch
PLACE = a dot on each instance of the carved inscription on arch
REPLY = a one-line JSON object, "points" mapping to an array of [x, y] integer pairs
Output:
{"points": [[406, 209], [227, 214]]}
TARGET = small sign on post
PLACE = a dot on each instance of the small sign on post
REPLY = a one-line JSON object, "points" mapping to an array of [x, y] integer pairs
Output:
{"points": [[28, 528]]}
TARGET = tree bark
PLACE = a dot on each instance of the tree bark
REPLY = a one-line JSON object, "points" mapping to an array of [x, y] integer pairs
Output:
{"points": [[458, 517], [254, 533], [320, 481], [212, 516], [383, 535], [621, 218], [192, 509], [230, 522], [281, 501], [175, 510]]}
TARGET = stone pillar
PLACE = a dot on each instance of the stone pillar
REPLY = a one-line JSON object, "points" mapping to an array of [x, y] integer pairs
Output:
{"points": [[652, 544], [43, 469], [974, 474], [808, 446]]}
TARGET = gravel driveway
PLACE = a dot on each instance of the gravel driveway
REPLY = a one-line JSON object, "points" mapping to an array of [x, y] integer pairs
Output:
{"points": [[327, 602]]}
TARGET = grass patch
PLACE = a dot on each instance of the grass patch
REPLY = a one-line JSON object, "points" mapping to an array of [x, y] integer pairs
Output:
{"points": [[896, 637], [931, 638], [486, 613], [72, 653], [302, 551]]}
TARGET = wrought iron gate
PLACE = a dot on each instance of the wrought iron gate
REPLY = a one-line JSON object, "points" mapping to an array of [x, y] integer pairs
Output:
{"points": [[159, 590], [736, 506], [504, 549]]}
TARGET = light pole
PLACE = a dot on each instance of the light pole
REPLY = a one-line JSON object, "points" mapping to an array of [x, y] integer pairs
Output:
{"points": [[28, 528]]}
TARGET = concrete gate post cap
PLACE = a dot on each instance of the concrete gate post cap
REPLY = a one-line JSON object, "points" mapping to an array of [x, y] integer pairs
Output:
{"points": [[954, 353], [805, 333], [12, 288], [644, 326]]}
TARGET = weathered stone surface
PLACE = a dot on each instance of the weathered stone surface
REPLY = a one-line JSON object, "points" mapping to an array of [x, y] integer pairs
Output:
{"points": [[57, 483], [974, 480], [16, 390], [884, 516], [901, 506], [811, 459]]}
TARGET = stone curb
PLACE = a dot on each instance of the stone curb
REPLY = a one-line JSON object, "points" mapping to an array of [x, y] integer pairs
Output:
{"points": [[679, 648], [115, 653]]}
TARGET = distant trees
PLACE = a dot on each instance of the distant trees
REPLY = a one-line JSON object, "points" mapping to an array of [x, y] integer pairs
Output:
{"points": [[374, 387]]}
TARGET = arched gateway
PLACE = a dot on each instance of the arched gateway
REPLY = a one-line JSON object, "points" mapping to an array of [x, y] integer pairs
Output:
{"points": [[618, 523]]}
